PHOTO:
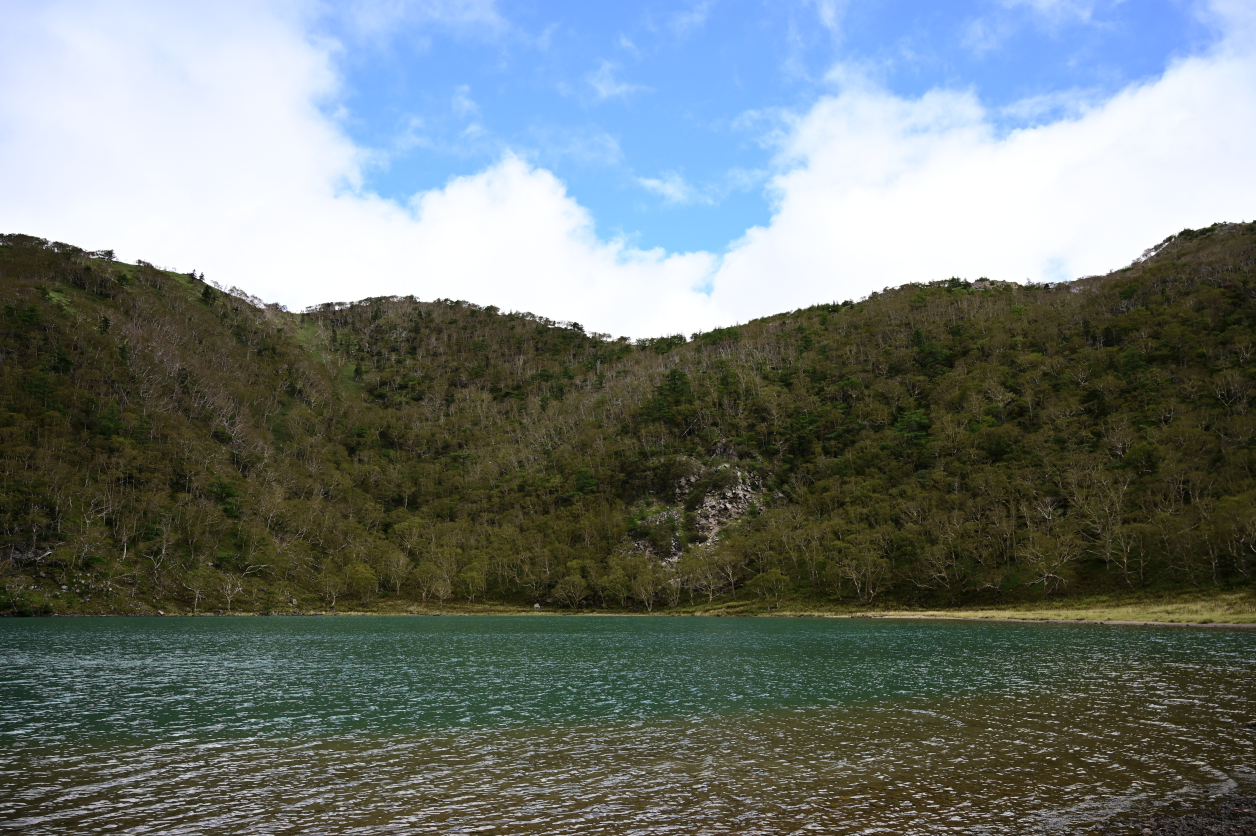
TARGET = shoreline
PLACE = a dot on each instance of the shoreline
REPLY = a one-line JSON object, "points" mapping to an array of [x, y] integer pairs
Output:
{"points": [[892, 616], [1243, 625], [1217, 608]]}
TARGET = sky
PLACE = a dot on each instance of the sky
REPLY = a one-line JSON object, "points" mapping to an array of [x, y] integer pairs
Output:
{"points": [[640, 168]]}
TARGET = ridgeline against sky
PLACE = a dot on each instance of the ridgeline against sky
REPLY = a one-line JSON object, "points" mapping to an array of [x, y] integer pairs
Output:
{"points": [[168, 444], [640, 168]]}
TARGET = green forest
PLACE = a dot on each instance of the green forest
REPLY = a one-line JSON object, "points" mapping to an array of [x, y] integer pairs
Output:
{"points": [[168, 444]]}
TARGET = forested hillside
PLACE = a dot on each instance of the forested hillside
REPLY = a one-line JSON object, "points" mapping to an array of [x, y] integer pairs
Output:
{"points": [[166, 443]]}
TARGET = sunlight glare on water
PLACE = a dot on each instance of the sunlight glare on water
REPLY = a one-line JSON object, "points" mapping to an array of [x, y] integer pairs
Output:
{"points": [[613, 725]]}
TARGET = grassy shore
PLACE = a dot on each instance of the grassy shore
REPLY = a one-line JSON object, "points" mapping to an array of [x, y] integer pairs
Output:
{"points": [[1237, 607], [1232, 607], [1215, 607]]}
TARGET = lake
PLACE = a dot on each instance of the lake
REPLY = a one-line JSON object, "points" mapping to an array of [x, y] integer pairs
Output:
{"points": [[613, 725]]}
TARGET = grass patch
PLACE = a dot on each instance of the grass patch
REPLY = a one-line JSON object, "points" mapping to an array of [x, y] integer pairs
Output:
{"points": [[1219, 607]]}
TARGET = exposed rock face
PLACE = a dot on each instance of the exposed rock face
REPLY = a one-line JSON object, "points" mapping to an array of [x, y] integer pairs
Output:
{"points": [[984, 284], [725, 504], [709, 501], [670, 517]]}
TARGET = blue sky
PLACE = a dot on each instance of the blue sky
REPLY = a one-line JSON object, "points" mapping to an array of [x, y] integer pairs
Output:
{"points": [[641, 168], [659, 117]]}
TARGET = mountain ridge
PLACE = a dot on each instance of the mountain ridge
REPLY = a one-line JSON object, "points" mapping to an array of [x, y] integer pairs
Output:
{"points": [[171, 444]]}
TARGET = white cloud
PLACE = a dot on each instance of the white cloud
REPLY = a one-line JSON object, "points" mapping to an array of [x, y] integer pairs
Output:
{"points": [[511, 236], [879, 190], [192, 138], [199, 137], [1236, 18]]}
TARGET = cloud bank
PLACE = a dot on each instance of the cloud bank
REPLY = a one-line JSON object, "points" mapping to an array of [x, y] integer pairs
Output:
{"points": [[206, 136]]}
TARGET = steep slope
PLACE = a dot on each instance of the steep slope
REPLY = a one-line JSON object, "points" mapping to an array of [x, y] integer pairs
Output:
{"points": [[166, 443]]}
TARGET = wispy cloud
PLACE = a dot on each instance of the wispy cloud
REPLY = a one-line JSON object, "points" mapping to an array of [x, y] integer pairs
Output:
{"points": [[463, 104], [991, 31], [412, 134], [1057, 11], [441, 133], [674, 189], [606, 85], [375, 18], [587, 145], [678, 191], [416, 20], [695, 17], [1050, 107], [830, 14], [986, 34]]}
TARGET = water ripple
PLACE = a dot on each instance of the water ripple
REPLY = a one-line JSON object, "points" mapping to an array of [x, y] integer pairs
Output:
{"points": [[611, 726]]}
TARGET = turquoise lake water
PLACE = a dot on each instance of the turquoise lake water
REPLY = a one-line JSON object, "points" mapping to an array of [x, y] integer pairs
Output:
{"points": [[613, 725]]}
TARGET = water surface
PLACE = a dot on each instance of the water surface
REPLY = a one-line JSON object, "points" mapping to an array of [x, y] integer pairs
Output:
{"points": [[613, 725]]}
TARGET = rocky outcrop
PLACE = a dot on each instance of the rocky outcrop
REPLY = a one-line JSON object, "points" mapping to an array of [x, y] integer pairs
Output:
{"points": [[707, 502], [725, 502]]}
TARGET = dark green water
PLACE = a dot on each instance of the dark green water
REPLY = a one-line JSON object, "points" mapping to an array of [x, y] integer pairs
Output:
{"points": [[613, 725]]}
